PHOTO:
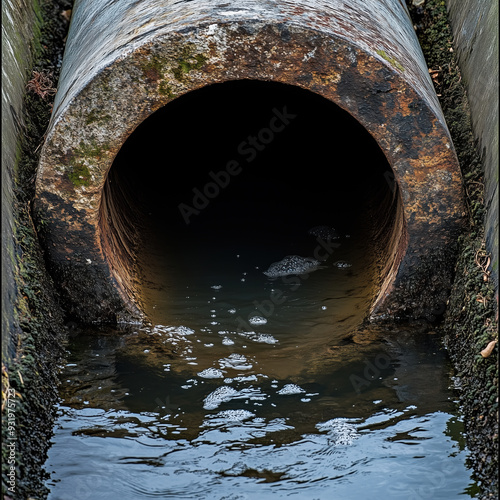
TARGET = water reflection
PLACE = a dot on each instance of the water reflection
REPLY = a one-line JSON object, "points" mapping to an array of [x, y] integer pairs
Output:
{"points": [[136, 424], [226, 395]]}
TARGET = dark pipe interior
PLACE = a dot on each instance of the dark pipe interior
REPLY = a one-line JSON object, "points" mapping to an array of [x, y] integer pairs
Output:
{"points": [[296, 160]]}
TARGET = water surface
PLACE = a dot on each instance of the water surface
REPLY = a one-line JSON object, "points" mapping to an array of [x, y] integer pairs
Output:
{"points": [[246, 386]]}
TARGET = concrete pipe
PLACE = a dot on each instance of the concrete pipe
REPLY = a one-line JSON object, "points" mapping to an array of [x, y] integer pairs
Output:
{"points": [[127, 59]]}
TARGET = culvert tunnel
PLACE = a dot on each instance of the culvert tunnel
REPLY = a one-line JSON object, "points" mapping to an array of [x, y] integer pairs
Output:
{"points": [[168, 111]]}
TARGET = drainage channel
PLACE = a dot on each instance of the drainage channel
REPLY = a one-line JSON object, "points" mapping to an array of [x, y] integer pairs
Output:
{"points": [[257, 376], [251, 186]]}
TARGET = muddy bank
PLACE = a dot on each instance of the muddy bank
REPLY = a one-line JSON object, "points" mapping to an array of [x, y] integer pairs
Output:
{"points": [[471, 318], [33, 340]]}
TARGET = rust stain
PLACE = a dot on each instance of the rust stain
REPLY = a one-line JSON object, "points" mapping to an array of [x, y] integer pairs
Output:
{"points": [[345, 54]]}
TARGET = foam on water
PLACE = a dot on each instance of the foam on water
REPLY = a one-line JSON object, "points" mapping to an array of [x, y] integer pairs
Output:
{"points": [[236, 362], [261, 338], [234, 415], [225, 393], [249, 378], [257, 320], [342, 264], [341, 430], [220, 395], [211, 373], [292, 264], [291, 389]]}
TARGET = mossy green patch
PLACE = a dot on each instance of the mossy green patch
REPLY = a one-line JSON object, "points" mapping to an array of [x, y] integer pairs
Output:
{"points": [[96, 116], [157, 68], [91, 150], [390, 60], [187, 62], [79, 175], [154, 68], [165, 89]]}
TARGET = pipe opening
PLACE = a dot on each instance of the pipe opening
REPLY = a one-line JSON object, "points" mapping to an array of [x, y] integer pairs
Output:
{"points": [[235, 175]]}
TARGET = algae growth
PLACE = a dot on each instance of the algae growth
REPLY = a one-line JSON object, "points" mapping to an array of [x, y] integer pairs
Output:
{"points": [[37, 333], [390, 60], [471, 320], [79, 175]]}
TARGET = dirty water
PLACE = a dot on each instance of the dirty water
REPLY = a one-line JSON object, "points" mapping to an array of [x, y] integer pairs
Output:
{"points": [[247, 386], [256, 379]]}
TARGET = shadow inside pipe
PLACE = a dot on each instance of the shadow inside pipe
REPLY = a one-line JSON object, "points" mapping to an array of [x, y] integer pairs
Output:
{"points": [[223, 181]]}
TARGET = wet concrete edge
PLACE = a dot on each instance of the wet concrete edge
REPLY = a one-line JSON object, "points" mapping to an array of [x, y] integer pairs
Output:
{"points": [[33, 333]]}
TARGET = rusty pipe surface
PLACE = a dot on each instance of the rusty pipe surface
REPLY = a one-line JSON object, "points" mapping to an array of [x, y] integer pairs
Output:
{"points": [[126, 59]]}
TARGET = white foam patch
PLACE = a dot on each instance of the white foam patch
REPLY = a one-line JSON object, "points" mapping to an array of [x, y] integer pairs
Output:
{"points": [[172, 331], [236, 362], [211, 373], [220, 395], [264, 338], [257, 320], [226, 393], [260, 338], [291, 389], [175, 335], [341, 431], [235, 415], [342, 264], [249, 378], [292, 265]]}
